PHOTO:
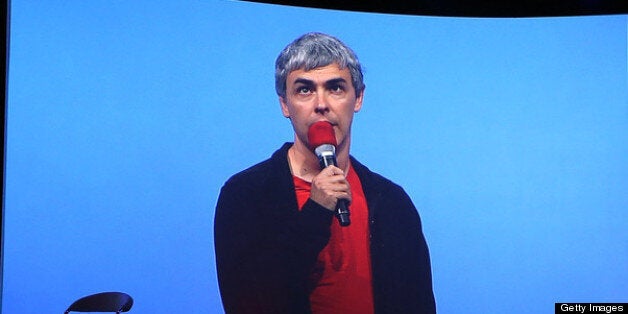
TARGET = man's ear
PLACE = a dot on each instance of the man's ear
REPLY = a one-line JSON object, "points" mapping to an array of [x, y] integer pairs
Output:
{"points": [[358, 102], [284, 107]]}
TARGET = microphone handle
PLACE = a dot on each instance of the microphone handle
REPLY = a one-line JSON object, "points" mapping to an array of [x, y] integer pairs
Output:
{"points": [[342, 210]]}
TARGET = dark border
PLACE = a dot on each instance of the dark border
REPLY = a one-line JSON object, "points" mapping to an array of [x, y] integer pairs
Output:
{"points": [[5, 56], [469, 8]]}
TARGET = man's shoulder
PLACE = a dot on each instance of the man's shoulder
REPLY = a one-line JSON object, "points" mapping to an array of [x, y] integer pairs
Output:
{"points": [[259, 173], [382, 192], [372, 179], [256, 171]]}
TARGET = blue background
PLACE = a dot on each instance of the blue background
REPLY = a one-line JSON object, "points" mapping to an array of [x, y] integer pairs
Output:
{"points": [[126, 117]]}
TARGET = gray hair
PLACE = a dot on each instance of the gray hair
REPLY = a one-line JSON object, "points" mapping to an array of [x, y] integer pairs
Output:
{"points": [[315, 50]]}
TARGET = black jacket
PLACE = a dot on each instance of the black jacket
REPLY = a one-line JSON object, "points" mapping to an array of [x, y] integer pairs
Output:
{"points": [[266, 247]]}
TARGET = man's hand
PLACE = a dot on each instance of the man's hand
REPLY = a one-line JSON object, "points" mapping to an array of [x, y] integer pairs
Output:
{"points": [[329, 186]]}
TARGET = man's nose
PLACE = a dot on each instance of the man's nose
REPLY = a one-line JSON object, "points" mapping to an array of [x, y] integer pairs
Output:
{"points": [[321, 105]]}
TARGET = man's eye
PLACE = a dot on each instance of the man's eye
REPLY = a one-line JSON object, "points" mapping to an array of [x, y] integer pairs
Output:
{"points": [[337, 89], [303, 90]]}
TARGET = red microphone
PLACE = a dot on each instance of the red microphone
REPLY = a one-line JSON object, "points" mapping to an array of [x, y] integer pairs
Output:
{"points": [[321, 133], [322, 140]]}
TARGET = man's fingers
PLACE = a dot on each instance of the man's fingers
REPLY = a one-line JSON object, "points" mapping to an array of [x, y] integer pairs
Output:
{"points": [[329, 186]]}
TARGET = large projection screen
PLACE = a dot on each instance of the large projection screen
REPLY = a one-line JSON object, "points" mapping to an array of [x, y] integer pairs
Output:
{"points": [[124, 119]]}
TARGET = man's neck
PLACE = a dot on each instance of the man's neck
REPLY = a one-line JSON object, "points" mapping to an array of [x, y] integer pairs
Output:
{"points": [[304, 163]]}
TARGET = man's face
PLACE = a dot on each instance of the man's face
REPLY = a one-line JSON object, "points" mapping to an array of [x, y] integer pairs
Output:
{"points": [[321, 94]]}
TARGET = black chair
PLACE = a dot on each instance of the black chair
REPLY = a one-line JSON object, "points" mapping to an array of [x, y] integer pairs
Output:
{"points": [[102, 302]]}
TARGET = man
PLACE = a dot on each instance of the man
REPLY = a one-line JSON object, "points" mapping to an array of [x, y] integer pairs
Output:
{"points": [[279, 248]]}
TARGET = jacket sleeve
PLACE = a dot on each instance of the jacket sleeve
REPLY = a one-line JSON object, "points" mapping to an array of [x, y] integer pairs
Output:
{"points": [[266, 249], [400, 257]]}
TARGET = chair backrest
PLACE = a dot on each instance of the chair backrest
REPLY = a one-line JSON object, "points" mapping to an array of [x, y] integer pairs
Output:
{"points": [[102, 302]]}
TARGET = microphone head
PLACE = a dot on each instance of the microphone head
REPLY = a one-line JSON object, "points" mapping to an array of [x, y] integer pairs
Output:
{"points": [[321, 133]]}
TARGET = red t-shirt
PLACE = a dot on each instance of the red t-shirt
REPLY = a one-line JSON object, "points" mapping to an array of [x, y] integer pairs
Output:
{"points": [[342, 276]]}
